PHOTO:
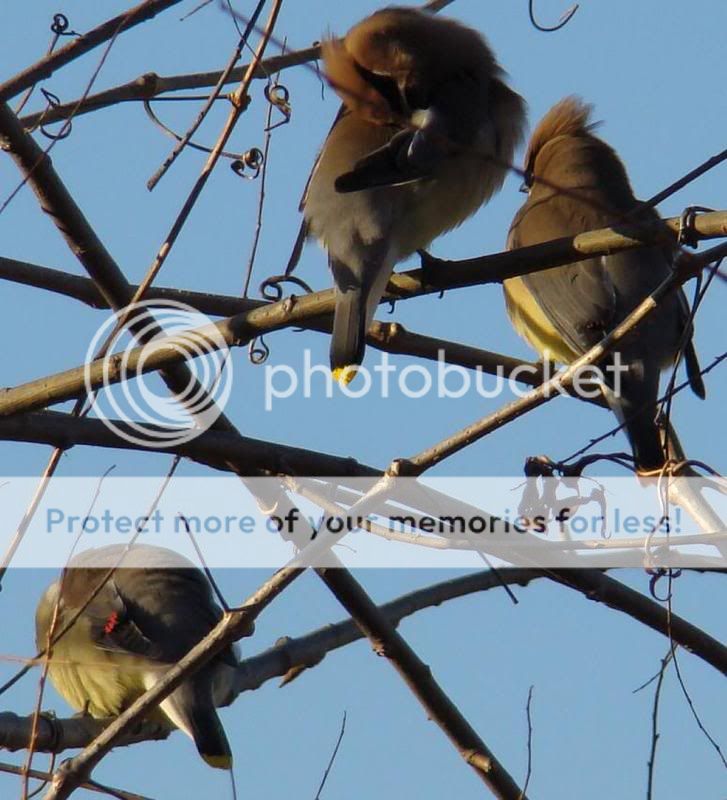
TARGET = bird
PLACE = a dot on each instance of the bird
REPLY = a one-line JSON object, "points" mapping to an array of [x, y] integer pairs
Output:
{"points": [[152, 610], [425, 136], [577, 182]]}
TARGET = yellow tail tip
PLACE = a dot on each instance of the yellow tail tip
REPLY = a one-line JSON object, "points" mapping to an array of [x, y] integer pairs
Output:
{"points": [[344, 375], [218, 762]]}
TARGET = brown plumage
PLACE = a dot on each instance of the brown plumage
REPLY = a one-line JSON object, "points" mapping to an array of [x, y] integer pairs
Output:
{"points": [[424, 138], [569, 117], [577, 183]]}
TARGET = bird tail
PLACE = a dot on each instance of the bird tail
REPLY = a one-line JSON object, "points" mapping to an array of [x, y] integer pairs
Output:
{"points": [[349, 333], [191, 709], [634, 403], [693, 371], [645, 438]]}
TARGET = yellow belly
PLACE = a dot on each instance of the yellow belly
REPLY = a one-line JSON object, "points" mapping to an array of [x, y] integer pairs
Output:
{"points": [[532, 324], [89, 678]]}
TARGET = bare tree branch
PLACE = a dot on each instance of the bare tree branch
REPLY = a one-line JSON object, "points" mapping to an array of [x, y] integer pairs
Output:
{"points": [[389, 337], [655, 725], [240, 329], [151, 85], [212, 448], [102, 269], [289, 657], [455, 274], [78, 47], [546, 391], [614, 594], [92, 786]]}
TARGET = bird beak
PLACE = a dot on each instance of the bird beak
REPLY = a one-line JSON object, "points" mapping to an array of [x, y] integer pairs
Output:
{"points": [[430, 142], [527, 183]]}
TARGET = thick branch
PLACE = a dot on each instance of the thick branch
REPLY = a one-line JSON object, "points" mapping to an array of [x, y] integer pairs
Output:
{"points": [[85, 290], [150, 85], [290, 656], [233, 626], [55, 735], [241, 328], [614, 594], [92, 786], [386, 641], [425, 459], [389, 337], [103, 269], [213, 448]]}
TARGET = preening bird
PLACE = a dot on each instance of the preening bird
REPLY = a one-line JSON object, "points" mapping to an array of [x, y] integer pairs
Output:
{"points": [[424, 138], [562, 312], [144, 619]]}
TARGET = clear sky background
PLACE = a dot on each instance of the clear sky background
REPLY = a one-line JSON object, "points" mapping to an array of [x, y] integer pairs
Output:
{"points": [[654, 72]]}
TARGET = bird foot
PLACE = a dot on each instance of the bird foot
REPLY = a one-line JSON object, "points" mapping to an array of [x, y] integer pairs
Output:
{"points": [[431, 268]]}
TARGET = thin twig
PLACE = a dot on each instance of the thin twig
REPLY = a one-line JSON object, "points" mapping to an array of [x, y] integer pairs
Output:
{"points": [[54, 636], [207, 571], [65, 128], [291, 656], [528, 715], [331, 760], [240, 329], [546, 391], [261, 198], [214, 94], [78, 47], [92, 786], [151, 85], [682, 685], [651, 763], [51, 637]]}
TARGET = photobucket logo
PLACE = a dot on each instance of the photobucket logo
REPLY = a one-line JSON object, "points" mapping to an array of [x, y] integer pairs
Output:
{"points": [[442, 379], [136, 404]]}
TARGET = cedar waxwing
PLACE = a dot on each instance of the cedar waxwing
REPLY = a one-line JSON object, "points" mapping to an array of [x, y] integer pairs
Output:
{"points": [[425, 137], [562, 312], [149, 614]]}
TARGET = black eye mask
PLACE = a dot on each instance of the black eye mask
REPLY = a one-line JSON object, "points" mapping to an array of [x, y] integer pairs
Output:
{"points": [[386, 87]]}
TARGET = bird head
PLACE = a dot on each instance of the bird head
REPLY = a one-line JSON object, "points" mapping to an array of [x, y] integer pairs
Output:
{"points": [[400, 62]]}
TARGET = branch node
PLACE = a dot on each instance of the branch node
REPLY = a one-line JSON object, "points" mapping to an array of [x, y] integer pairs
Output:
{"points": [[148, 85], [401, 467], [240, 102]]}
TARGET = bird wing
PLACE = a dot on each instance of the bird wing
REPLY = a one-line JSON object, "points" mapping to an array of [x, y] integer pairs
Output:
{"points": [[111, 619], [158, 614], [578, 300], [342, 112], [389, 165]]}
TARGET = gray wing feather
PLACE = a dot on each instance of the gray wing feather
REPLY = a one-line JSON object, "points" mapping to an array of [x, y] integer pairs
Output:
{"points": [[578, 299]]}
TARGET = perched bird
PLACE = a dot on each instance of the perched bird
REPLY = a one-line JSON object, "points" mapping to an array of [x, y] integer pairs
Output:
{"points": [[424, 138], [576, 182], [144, 619]]}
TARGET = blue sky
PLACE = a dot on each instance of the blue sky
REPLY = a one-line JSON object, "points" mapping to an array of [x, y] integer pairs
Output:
{"points": [[651, 70]]}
